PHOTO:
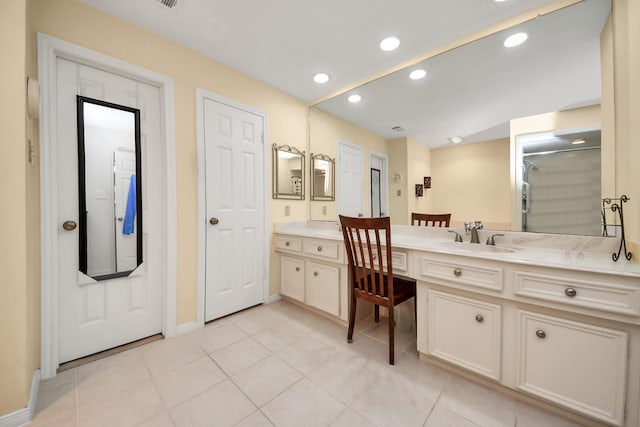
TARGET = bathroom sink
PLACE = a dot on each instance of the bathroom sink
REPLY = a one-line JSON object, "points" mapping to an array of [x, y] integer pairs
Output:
{"points": [[475, 248]]}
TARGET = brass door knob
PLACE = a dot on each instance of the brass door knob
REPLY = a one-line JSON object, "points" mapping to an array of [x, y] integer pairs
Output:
{"points": [[213, 221], [69, 225]]}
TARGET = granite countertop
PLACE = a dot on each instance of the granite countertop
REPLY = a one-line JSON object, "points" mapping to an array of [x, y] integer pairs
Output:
{"points": [[581, 253]]}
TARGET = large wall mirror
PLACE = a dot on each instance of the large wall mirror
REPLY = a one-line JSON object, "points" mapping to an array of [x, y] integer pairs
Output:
{"points": [[476, 91], [109, 184], [288, 172], [323, 170]]}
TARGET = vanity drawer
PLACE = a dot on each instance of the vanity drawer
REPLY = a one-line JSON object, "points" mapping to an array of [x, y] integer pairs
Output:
{"points": [[322, 248], [288, 243], [604, 296], [462, 273], [398, 259]]}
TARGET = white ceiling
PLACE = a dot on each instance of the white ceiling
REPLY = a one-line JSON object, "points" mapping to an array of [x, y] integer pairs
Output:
{"points": [[284, 42]]}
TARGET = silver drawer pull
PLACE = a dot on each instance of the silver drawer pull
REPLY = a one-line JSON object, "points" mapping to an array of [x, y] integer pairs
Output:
{"points": [[315, 273], [479, 318], [570, 292], [297, 268], [319, 248], [457, 272], [541, 334], [287, 243]]}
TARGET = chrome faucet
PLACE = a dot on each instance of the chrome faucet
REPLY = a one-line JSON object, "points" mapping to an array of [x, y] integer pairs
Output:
{"points": [[458, 237], [474, 235], [473, 229], [491, 240]]}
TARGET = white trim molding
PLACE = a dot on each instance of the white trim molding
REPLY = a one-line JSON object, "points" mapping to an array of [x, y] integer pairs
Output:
{"points": [[24, 415], [49, 49], [201, 95]]}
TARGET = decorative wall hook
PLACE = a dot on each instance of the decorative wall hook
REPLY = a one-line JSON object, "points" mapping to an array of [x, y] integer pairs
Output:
{"points": [[616, 206]]}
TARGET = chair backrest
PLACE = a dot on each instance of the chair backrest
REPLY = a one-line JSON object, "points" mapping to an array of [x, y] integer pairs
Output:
{"points": [[368, 245], [433, 220]]}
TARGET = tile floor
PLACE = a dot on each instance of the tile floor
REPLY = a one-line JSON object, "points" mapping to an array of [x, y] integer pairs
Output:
{"points": [[275, 365]]}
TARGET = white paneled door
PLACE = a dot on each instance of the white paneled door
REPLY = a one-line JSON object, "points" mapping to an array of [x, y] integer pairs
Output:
{"points": [[98, 315], [234, 165]]}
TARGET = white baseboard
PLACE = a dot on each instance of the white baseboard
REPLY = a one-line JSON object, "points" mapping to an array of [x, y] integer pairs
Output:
{"points": [[273, 298], [188, 327], [24, 415]]}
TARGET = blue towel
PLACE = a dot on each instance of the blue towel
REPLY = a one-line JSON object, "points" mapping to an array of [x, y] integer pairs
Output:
{"points": [[130, 212]]}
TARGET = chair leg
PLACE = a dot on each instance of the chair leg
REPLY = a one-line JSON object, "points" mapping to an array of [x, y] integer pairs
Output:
{"points": [[376, 313], [352, 317], [391, 340]]}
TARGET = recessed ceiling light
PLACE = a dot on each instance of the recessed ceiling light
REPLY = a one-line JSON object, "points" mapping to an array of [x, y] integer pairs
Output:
{"points": [[578, 141], [354, 98], [417, 74], [389, 44], [499, 1], [515, 39], [321, 78], [455, 139]]}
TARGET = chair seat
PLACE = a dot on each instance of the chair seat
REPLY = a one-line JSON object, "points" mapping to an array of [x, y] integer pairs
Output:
{"points": [[403, 289]]}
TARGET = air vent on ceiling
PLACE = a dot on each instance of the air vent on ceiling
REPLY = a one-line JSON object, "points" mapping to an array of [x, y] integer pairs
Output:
{"points": [[168, 3], [398, 128]]}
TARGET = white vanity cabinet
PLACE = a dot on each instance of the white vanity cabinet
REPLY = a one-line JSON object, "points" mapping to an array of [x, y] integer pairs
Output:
{"points": [[313, 272], [575, 364], [465, 331]]}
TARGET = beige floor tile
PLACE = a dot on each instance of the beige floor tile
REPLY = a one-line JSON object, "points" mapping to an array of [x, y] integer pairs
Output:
{"points": [[530, 416], [168, 354], [69, 419], [213, 338], [266, 379], [442, 417], [239, 356], [160, 420], [255, 322], [482, 405], [386, 403], [127, 408], [221, 405], [343, 377], [189, 380], [350, 418], [256, 419], [106, 377], [57, 396], [277, 337], [303, 404], [419, 377], [307, 353]]}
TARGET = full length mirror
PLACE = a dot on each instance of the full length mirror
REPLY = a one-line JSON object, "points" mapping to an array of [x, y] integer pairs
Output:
{"points": [[560, 80], [288, 172], [110, 202]]}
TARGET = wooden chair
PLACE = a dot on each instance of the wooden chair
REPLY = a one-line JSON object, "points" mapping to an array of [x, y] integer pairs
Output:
{"points": [[433, 220], [368, 245]]}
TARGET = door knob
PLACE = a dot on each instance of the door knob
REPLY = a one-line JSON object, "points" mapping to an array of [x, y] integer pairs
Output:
{"points": [[69, 225], [213, 221]]}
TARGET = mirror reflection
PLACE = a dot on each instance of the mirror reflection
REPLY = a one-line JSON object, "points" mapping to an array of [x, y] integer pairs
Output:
{"points": [[322, 177], [288, 172], [109, 163], [477, 92]]}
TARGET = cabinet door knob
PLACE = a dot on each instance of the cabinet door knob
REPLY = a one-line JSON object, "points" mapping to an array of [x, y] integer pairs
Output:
{"points": [[570, 292], [541, 334], [319, 248], [287, 243], [479, 318], [297, 268], [457, 272], [315, 273], [69, 225]]}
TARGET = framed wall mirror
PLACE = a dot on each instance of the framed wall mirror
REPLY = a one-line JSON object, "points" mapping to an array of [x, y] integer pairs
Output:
{"points": [[323, 172], [109, 189], [288, 172]]}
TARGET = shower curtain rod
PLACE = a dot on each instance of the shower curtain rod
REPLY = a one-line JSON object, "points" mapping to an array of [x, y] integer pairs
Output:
{"points": [[560, 151]]}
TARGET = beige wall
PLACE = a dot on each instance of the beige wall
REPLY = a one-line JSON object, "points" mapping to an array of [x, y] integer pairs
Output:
{"points": [[325, 131], [472, 182], [398, 194], [418, 166]]}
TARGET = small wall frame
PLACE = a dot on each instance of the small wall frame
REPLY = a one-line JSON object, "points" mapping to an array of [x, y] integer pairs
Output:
{"points": [[288, 172]]}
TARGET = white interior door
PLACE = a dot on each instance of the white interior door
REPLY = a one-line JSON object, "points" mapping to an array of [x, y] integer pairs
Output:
{"points": [[379, 162], [234, 164], [350, 179], [98, 315]]}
